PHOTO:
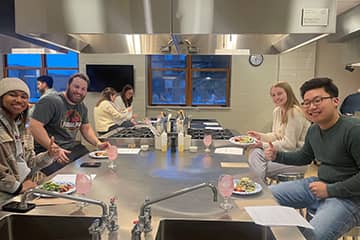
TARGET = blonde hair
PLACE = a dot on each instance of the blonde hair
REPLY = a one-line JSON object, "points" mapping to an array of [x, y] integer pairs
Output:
{"points": [[291, 101], [106, 95]]}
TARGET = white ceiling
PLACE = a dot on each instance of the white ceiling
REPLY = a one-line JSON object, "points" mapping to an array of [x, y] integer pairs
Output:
{"points": [[343, 5]]}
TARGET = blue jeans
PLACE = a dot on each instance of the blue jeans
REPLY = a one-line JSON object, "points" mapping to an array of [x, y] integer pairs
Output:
{"points": [[333, 217]]}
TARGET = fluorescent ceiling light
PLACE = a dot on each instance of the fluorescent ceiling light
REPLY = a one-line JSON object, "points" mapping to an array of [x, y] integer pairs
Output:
{"points": [[32, 51], [227, 51], [305, 43]]}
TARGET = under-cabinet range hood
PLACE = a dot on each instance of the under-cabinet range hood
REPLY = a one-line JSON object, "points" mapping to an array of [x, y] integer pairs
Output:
{"points": [[348, 32], [168, 26]]}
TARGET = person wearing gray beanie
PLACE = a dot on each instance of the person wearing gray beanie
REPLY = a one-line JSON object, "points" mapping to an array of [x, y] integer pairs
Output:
{"points": [[16, 168], [12, 84]]}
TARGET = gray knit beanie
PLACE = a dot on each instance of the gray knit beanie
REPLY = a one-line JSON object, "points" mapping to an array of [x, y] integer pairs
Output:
{"points": [[12, 84]]}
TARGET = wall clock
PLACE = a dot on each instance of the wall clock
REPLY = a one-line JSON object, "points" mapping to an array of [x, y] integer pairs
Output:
{"points": [[256, 59]]}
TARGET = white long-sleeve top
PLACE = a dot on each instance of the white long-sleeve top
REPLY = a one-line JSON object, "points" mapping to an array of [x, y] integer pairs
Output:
{"points": [[106, 115], [289, 136]]}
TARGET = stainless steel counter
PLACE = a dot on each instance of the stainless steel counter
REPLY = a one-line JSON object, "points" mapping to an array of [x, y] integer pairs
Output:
{"points": [[153, 174]]}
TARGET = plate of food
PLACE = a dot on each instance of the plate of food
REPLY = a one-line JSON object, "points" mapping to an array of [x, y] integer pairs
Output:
{"points": [[98, 154], [246, 186], [51, 186], [243, 140]]}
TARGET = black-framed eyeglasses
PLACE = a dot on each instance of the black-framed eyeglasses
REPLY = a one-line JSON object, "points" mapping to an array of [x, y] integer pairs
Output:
{"points": [[316, 101]]}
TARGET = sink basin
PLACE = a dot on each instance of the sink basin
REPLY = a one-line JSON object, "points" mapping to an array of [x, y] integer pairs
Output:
{"points": [[16, 227], [179, 229]]}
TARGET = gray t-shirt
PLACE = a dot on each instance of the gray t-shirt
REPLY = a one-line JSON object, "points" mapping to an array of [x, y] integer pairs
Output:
{"points": [[61, 119]]}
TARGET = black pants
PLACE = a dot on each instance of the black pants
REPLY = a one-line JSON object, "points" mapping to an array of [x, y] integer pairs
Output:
{"points": [[76, 152]]}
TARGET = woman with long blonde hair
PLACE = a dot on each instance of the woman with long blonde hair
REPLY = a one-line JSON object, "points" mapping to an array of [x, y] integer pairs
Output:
{"points": [[288, 133]]}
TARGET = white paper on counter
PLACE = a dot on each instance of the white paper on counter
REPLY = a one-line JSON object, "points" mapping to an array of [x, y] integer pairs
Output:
{"points": [[214, 128], [277, 216], [211, 123], [229, 150], [128, 150], [68, 178], [64, 178]]}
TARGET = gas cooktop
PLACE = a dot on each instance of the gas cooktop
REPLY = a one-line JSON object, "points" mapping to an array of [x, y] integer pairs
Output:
{"points": [[223, 134], [142, 132]]}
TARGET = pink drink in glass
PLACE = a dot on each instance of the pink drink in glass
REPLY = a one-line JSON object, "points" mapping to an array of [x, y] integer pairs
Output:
{"points": [[207, 142], [225, 188], [83, 183], [112, 154]]}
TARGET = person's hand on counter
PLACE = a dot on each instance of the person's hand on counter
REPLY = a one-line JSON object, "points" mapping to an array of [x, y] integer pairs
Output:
{"points": [[270, 152], [103, 145]]}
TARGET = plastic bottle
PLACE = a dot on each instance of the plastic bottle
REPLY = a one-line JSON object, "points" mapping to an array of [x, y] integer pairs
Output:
{"points": [[181, 141], [164, 141]]}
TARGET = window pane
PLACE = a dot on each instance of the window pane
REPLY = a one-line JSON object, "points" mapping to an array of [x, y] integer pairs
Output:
{"points": [[168, 61], [29, 76], [206, 61], [61, 78], [24, 60], [62, 60], [168, 87], [209, 88]]}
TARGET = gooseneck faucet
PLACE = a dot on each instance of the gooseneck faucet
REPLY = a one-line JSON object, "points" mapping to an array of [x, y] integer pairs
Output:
{"points": [[144, 222], [108, 220]]}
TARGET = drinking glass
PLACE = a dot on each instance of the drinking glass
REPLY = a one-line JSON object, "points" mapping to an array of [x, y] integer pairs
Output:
{"points": [[207, 142], [112, 154], [225, 188], [83, 184]]}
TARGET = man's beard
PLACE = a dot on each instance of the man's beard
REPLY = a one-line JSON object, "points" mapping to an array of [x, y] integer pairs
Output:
{"points": [[71, 97]]}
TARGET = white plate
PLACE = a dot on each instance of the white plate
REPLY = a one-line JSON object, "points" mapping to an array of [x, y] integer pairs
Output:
{"points": [[95, 154], [70, 191], [233, 140], [258, 189]]}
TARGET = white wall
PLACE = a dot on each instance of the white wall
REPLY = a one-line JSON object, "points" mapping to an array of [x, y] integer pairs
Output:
{"points": [[330, 63], [251, 105], [298, 66], [139, 73]]}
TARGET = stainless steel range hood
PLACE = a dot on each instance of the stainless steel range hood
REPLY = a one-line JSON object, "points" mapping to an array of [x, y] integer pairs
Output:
{"points": [[348, 33], [173, 26]]}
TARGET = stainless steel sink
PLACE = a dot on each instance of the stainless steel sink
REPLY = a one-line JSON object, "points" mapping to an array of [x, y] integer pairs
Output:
{"points": [[174, 229], [16, 227]]}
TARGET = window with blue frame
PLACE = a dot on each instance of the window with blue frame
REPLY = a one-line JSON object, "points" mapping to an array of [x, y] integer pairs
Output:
{"points": [[30, 66], [189, 80]]}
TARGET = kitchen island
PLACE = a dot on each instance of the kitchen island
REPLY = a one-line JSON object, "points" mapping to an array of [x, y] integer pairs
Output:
{"points": [[154, 174]]}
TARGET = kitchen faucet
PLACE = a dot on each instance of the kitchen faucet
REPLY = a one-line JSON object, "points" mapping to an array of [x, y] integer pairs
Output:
{"points": [[97, 227], [144, 222]]}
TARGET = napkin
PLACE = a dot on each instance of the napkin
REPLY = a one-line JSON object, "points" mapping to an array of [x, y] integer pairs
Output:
{"points": [[229, 150], [234, 165], [128, 150], [284, 216]]}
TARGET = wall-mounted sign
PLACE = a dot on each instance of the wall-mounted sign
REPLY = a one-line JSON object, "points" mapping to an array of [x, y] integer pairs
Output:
{"points": [[315, 17]]}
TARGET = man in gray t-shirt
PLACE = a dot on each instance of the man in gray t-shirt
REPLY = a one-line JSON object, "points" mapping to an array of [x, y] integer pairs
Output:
{"points": [[61, 120], [62, 116]]}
